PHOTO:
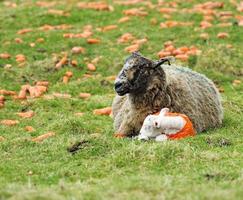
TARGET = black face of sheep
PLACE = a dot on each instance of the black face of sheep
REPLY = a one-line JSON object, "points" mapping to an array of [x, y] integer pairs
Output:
{"points": [[135, 74]]}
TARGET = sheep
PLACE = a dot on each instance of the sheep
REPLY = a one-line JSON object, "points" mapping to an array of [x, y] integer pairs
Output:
{"points": [[144, 86]]}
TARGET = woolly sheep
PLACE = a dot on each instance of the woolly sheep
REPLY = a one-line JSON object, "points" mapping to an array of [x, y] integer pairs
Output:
{"points": [[144, 87]]}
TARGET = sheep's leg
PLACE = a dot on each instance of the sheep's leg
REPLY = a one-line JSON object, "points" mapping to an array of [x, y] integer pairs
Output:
{"points": [[130, 124]]}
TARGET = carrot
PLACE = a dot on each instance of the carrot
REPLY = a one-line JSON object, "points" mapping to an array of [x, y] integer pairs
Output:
{"points": [[9, 122], [7, 92], [69, 74], [132, 48], [91, 67], [24, 31], [84, 95], [222, 35], [42, 83], [18, 40], [109, 27], [28, 114], [65, 79], [182, 57], [93, 41], [74, 63], [43, 137], [29, 129], [77, 50], [5, 56], [103, 111], [62, 62]]}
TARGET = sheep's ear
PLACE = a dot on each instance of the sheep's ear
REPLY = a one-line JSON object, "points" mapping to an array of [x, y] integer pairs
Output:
{"points": [[136, 53], [168, 59]]}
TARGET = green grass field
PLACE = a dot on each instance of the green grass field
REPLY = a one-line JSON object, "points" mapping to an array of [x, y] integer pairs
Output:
{"points": [[208, 166]]}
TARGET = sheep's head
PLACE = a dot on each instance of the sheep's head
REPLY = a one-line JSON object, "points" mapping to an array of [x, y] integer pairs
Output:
{"points": [[135, 74]]}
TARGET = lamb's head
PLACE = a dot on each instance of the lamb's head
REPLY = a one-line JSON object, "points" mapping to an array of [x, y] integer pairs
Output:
{"points": [[134, 76]]}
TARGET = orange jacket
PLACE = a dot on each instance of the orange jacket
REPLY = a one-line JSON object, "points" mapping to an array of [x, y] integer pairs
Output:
{"points": [[186, 131]]}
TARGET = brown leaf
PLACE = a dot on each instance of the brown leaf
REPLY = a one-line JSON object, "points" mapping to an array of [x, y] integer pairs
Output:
{"points": [[43, 137], [2, 138], [58, 12]]}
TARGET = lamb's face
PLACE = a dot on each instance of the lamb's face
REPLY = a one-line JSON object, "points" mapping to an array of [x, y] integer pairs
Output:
{"points": [[149, 129], [134, 75]]}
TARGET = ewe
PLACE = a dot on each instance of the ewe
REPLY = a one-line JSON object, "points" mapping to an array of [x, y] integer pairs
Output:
{"points": [[144, 87]]}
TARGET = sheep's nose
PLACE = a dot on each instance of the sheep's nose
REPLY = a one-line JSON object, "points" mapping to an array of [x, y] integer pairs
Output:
{"points": [[118, 85]]}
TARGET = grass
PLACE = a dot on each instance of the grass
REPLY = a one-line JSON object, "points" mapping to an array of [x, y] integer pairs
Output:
{"points": [[208, 166]]}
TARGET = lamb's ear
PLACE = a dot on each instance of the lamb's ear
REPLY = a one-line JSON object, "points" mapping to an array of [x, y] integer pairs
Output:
{"points": [[164, 111], [168, 59]]}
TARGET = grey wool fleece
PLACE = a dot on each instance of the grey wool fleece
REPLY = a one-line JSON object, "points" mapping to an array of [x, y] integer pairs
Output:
{"points": [[145, 86]]}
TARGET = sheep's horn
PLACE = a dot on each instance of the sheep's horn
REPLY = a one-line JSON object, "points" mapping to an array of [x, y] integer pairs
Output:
{"points": [[168, 59]]}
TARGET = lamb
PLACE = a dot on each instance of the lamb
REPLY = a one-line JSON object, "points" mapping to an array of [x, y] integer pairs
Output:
{"points": [[166, 125], [145, 86]]}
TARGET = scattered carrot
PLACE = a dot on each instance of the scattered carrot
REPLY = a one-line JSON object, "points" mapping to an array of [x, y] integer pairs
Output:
{"points": [[29, 129], [5, 56], [7, 92], [43, 137], [91, 67], [124, 19], [74, 63], [18, 40], [84, 95], [182, 57], [9, 122], [65, 79], [24, 31], [62, 62], [77, 50], [132, 48], [79, 114], [109, 27], [42, 83], [27, 114], [40, 40], [20, 58], [93, 41], [103, 111], [222, 35]]}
